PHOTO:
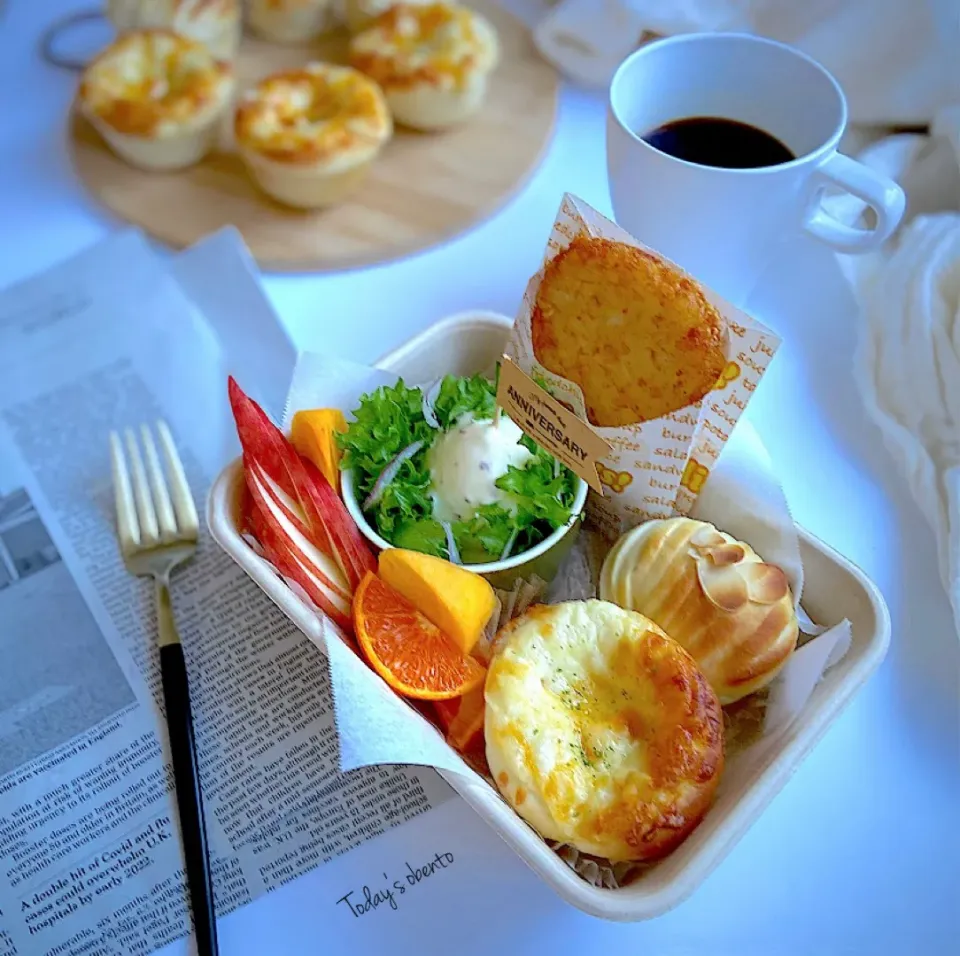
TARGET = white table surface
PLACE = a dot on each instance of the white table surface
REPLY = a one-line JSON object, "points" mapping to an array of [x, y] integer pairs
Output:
{"points": [[861, 851]]}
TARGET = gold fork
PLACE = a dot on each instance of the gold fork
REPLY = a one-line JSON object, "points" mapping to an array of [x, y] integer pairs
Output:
{"points": [[158, 529]]}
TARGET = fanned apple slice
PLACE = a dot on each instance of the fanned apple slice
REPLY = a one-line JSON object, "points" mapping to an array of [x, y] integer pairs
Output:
{"points": [[258, 437], [291, 509], [265, 444], [328, 522], [295, 573], [245, 507], [325, 566], [296, 558], [323, 507]]}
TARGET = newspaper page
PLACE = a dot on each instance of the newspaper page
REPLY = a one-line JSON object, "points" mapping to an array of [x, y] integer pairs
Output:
{"points": [[90, 859]]}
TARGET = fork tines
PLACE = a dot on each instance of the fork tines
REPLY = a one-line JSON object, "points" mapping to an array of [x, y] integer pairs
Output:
{"points": [[151, 509]]}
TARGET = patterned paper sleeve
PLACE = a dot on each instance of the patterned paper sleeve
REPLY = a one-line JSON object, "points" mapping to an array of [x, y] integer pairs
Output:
{"points": [[657, 468]]}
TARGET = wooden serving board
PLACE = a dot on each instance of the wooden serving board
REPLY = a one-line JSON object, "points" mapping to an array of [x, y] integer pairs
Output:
{"points": [[423, 189]]}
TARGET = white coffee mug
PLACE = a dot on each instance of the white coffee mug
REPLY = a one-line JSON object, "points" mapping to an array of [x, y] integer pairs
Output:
{"points": [[722, 224]]}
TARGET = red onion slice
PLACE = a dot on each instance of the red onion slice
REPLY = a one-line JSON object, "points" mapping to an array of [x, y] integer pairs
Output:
{"points": [[426, 405], [508, 547], [389, 473], [453, 555]]}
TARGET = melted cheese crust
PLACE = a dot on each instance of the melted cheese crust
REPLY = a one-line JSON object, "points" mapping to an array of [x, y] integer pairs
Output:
{"points": [[214, 23], [438, 44], [191, 18], [154, 83], [130, 14], [290, 21], [359, 14], [601, 732], [321, 115]]}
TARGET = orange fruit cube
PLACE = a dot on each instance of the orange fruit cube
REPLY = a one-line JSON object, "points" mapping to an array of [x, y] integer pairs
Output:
{"points": [[457, 600], [312, 434]]}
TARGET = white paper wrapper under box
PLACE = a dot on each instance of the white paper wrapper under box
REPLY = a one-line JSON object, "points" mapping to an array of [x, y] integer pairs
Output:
{"points": [[657, 467], [376, 726]]}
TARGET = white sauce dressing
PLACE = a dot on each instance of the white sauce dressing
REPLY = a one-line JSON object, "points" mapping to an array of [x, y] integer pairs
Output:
{"points": [[466, 461]]}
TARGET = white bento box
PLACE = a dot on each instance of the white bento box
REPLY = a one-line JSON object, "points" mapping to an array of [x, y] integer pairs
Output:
{"points": [[833, 589]]}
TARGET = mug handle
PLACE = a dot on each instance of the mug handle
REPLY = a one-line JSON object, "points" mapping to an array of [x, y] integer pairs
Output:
{"points": [[881, 194]]}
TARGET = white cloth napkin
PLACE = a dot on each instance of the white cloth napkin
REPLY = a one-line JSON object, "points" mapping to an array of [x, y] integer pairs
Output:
{"points": [[908, 355], [895, 59]]}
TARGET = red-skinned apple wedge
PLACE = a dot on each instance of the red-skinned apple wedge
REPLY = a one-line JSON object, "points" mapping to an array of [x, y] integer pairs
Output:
{"points": [[329, 572], [328, 523], [296, 558], [265, 444]]}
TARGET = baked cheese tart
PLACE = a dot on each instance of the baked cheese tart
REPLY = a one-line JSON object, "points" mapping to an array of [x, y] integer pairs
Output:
{"points": [[601, 731], [359, 14], [431, 60], [290, 21], [214, 23], [156, 98], [713, 594], [308, 136]]}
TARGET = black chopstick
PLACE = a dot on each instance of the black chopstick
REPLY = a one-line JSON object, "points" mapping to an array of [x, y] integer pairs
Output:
{"points": [[176, 696]]}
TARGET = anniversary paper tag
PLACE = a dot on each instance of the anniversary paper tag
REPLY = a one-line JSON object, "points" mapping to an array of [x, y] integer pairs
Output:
{"points": [[551, 424]]}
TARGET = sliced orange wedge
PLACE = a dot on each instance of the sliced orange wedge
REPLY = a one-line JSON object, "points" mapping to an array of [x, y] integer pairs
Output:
{"points": [[412, 655]]}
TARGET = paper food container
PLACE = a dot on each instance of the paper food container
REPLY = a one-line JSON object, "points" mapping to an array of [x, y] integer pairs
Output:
{"points": [[834, 590]]}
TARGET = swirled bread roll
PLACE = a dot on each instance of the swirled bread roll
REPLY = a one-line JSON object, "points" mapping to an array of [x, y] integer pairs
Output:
{"points": [[600, 730], [713, 594]]}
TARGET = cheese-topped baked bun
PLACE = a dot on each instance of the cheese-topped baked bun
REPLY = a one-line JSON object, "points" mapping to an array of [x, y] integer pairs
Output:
{"points": [[359, 14], [309, 136], [157, 98], [638, 336], [214, 23], [432, 61], [601, 731], [714, 594], [290, 21]]}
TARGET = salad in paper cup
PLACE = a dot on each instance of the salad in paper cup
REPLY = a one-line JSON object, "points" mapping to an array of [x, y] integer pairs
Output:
{"points": [[424, 525]]}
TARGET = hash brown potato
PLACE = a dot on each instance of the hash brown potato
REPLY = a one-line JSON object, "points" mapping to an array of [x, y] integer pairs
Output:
{"points": [[638, 336], [601, 731]]}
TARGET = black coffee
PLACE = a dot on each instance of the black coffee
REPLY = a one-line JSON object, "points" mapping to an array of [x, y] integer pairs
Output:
{"points": [[712, 141]]}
